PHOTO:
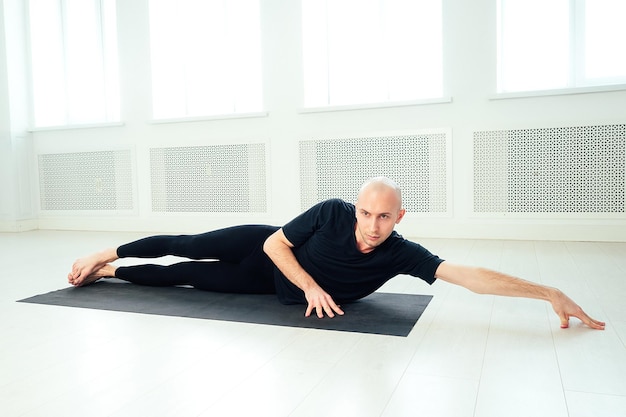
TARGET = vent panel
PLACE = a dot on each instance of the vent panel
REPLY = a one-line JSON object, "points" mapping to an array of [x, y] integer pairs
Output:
{"points": [[337, 168], [221, 178], [556, 170], [86, 181]]}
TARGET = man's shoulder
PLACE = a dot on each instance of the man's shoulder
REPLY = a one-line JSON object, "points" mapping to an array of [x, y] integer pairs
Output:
{"points": [[337, 207], [333, 211], [337, 202]]}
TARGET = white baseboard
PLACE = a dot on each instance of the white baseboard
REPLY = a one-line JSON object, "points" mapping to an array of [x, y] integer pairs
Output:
{"points": [[18, 225]]}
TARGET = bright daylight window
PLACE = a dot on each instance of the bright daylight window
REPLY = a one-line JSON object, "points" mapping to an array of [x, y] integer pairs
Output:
{"points": [[74, 62], [206, 57], [371, 51], [557, 44]]}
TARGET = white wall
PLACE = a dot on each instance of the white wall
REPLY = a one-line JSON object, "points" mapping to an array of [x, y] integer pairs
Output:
{"points": [[6, 185], [470, 81], [17, 206]]}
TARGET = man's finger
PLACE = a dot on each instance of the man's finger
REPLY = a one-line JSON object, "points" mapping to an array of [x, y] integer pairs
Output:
{"points": [[309, 309], [331, 308], [324, 307], [594, 324], [564, 321], [319, 309], [338, 310]]}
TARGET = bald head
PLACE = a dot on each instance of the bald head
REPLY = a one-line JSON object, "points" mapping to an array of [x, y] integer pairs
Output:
{"points": [[378, 209], [381, 186]]}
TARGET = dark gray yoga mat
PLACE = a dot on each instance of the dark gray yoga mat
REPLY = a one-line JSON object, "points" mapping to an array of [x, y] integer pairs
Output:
{"points": [[379, 313]]}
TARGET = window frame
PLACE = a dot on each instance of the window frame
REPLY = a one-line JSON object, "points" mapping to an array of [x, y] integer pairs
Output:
{"points": [[577, 80], [444, 97], [159, 116]]}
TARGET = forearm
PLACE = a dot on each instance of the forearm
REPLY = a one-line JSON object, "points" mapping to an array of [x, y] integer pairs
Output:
{"points": [[486, 281], [496, 283], [279, 251]]}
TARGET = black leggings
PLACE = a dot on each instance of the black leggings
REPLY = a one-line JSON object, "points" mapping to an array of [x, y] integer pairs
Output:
{"points": [[226, 260]]}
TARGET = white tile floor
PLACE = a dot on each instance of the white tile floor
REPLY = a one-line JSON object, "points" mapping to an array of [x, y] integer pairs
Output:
{"points": [[469, 355]]}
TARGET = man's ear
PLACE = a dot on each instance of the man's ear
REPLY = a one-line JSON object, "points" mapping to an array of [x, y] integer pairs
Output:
{"points": [[401, 214]]}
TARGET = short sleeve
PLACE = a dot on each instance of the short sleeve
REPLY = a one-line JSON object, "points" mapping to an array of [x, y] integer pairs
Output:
{"points": [[302, 227]]}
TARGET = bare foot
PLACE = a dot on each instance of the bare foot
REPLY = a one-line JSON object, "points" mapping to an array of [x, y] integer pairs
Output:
{"points": [[84, 268], [107, 271]]}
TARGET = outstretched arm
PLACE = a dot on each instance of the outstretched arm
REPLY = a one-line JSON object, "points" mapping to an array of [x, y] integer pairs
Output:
{"points": [[485, 281], [278, 248]]}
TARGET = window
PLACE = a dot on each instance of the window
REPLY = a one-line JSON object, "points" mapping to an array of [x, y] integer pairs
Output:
{"points": [[371, 51], [74, 62], [206, 57], [558, 44]]}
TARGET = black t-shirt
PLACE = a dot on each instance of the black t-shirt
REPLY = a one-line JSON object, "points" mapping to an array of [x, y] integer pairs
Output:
{"points": [[325, 246]]}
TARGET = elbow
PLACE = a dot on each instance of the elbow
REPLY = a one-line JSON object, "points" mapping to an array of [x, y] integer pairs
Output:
{"points": [[277, 245], [272, 244], [267, 245]]}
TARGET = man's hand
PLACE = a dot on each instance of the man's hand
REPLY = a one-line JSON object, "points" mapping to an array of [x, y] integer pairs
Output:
{"points": [[321, 302], [278, 248], [565, 308]]}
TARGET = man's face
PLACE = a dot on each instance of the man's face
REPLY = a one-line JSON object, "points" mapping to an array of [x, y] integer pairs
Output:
{"points": [[377, 213]]}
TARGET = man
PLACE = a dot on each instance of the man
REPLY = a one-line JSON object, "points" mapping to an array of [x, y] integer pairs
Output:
{"points": [[334, 252]]}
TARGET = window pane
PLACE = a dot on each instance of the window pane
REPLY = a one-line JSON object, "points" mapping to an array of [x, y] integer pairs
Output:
{"points": [[560, 43], [205, 48], [534, 45], [48, 67], [245, 55], [414, 58], [355, 67], [315, 53], [111, 64], [605, 37], [85, 67], [206, 57], [168, 81], [74, 75], [371, 51]]}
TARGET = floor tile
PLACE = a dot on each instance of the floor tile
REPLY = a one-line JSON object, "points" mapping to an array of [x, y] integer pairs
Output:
{"points": [[583, 404], [433, 396]]}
